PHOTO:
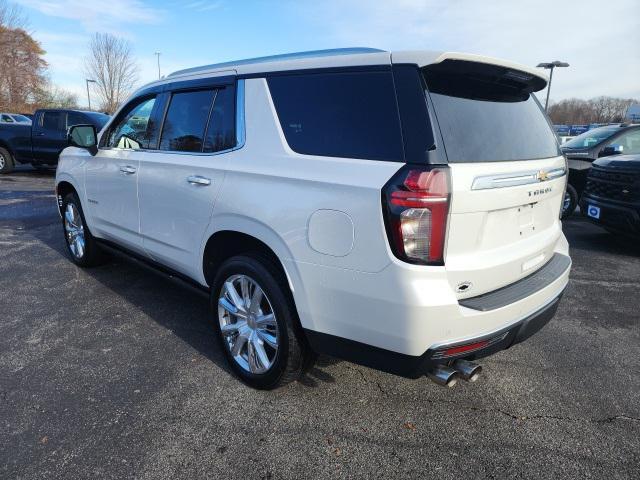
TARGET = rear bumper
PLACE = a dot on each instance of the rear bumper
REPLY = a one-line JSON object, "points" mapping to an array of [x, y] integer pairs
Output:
{"points": [[398, 319], [415, 366], [621, 217]]}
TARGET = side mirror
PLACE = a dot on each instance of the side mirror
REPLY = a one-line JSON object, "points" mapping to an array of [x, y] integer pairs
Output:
{"points": [[83, 136], [611, 150]]}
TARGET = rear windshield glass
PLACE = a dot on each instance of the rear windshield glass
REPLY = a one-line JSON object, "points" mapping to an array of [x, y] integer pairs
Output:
{"points": [[489, 114], [350, 114], [592, 137]]}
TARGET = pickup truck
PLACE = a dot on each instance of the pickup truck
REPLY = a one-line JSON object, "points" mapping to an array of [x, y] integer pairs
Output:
{"points": [[40, 144]]}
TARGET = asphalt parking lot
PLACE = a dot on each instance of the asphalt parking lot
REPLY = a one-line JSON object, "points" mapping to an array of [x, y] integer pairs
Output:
{"points": [[113, 373]]}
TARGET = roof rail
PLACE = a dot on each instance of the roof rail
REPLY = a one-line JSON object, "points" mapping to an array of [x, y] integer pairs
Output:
{"points": [[281, 57]]}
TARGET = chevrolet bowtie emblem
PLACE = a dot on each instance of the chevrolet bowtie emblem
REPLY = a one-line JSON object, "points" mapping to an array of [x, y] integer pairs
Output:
{"points": [[542, 176]]}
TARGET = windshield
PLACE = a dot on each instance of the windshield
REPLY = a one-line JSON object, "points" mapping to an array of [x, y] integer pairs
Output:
{"points": [[592, 137], [100, 119], [489, 115]]}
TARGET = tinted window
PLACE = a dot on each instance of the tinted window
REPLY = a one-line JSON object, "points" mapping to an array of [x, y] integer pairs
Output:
{"points": [[339, 114], [488, 114], [75, 118], [54, 120], [132, 129], [629, 142], [186, 121], [21, 118], [221, 132], [592, 137], [6, 119]]}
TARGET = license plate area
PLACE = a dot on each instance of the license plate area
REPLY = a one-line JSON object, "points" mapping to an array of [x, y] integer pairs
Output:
{"points": [[526, 220]]}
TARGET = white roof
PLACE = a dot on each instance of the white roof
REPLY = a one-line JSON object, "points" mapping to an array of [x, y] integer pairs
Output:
{"points": [[342, 57]]}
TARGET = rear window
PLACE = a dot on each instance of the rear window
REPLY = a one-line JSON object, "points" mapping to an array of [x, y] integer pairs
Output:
{"points": [[488, 113], [352, 114], [186, 121], [99, 119]]}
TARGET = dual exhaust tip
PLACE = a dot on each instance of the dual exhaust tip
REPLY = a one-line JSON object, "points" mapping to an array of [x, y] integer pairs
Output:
{"points": [[448, 375]]}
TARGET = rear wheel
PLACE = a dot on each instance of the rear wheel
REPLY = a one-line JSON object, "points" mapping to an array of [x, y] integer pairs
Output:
{"points": [[81, 245], [570, 201], [255, 321], [6, 161]]}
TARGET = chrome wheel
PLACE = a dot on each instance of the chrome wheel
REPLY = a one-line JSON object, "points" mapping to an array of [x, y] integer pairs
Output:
{"points": [[3, 162], [75, 230], [248, 324]]}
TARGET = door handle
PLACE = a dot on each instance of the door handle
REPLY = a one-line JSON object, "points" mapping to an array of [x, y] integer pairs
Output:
{"points": [[127, 170], [198, 180], [41, 134]]}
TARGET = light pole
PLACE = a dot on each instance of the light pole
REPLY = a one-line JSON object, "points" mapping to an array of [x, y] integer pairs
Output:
{"points": [[550, 66], [89, 96], [157, 54]]}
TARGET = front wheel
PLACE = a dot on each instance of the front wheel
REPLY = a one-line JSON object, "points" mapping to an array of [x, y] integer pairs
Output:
{"points": [[82, 246], [255, 321], [570, 201]]}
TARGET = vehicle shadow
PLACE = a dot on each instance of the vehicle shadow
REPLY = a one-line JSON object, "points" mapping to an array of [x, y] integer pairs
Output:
{"points": [[589, 237], [31, 172], [171, 303]]}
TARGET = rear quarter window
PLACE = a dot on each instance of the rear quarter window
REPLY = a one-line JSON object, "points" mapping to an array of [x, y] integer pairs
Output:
{"points": [[344, 114]]}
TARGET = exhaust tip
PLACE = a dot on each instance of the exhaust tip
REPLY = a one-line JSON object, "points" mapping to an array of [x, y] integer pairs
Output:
{"points": [[469, 371], [443, 376]]}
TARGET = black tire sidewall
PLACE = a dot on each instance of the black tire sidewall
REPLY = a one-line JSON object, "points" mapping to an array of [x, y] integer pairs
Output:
{"points": [[288, 347], [8, 161], [573, 204]]}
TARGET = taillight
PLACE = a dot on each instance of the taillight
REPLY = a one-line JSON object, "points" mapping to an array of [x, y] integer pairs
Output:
{"points": [[416, 203]]}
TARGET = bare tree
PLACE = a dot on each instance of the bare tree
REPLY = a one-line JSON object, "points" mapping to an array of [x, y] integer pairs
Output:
{"points": [[574, 111], [12, 16], [111, 64]]}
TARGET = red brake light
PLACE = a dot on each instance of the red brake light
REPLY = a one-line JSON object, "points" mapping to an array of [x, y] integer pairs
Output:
{"points": [[417, 204]]}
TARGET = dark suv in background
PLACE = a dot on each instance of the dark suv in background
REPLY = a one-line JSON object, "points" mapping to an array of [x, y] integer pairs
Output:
{"points": [[611, 196], [584, 149]]}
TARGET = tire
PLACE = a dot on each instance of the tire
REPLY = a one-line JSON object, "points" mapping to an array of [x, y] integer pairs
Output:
{"points": [[271, 367], [81, 245], [570, 202], [6, 161]]}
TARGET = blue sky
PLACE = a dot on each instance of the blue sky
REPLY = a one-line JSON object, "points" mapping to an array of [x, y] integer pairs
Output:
{"points": [[589, 34]]}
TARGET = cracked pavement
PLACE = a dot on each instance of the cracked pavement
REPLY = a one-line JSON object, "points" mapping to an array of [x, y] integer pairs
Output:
{"points": [[113, 373]]}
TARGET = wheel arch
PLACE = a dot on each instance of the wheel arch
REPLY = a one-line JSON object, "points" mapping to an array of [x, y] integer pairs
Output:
{"points": [[8, 148], [249, 236], [65, 186]]}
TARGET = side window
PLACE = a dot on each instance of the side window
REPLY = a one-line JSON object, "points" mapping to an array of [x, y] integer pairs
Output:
{"points": [[75, 118], [6, 119], [186, 121], [221, 131], [132, 128], [54, 120], [630, 142], [351, 114]]}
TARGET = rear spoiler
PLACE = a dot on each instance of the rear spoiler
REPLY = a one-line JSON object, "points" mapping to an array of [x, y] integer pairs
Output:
{"points": [[425, 58]]}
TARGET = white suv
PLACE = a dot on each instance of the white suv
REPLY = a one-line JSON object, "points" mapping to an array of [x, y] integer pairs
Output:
{"points": [[399, 210]]}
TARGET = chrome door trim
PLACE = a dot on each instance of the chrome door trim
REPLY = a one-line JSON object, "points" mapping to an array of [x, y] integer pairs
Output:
{"points": [[513, 179]]}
